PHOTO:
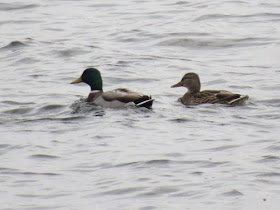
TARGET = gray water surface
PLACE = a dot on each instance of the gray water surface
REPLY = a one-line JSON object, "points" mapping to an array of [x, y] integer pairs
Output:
{"points": [[59, 153]]}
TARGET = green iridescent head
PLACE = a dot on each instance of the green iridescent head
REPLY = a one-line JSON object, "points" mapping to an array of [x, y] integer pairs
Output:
{"points": [[92, 77]]}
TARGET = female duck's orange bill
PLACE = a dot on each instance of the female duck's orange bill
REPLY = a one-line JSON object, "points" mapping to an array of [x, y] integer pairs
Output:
{"points": [[179, 84]]}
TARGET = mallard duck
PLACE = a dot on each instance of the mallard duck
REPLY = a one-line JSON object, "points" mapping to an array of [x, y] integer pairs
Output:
{"points": [[118, 98], [194, 96]]}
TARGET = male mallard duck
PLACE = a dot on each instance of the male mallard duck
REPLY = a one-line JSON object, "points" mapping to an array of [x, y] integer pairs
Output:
{"points": [[194, 96], [118, 98]]}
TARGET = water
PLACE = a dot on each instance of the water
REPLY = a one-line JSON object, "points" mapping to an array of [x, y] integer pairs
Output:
{"points": [[58, 153]]}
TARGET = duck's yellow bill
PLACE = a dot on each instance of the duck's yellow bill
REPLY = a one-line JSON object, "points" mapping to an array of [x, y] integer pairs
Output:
{"points": [[77, 80]]}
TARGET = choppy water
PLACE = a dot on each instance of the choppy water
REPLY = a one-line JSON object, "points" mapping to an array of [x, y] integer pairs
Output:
{"points": [[57, 153]]}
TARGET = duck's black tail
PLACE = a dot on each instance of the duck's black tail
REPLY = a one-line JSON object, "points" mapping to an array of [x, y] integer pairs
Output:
{"points": [[144, 101]]}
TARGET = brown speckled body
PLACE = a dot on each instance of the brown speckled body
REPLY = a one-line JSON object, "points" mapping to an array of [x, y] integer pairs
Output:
{"points": [[194, 96]]}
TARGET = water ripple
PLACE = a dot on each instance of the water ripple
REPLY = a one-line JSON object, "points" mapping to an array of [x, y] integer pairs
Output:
{"points": [[10, 7], [233, 193], [14, 45], [215, 43], [17, 103], [161, 191], [51, 107], [44, 157], [19, 111], [123, 191], [269, 174], [17, 172], [164, 163], [244, 18]]}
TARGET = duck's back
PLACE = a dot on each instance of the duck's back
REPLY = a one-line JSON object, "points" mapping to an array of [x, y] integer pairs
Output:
{"points": [[123, 97], [216, 96], [121, 94]]}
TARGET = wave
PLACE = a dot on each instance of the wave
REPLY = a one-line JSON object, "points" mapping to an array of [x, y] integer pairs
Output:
{"points": [[215, 43], [9, 7]]}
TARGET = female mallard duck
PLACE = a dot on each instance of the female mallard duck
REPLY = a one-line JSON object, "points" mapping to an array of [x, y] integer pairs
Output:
{"points": [[194, 96], [118, 98]]}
